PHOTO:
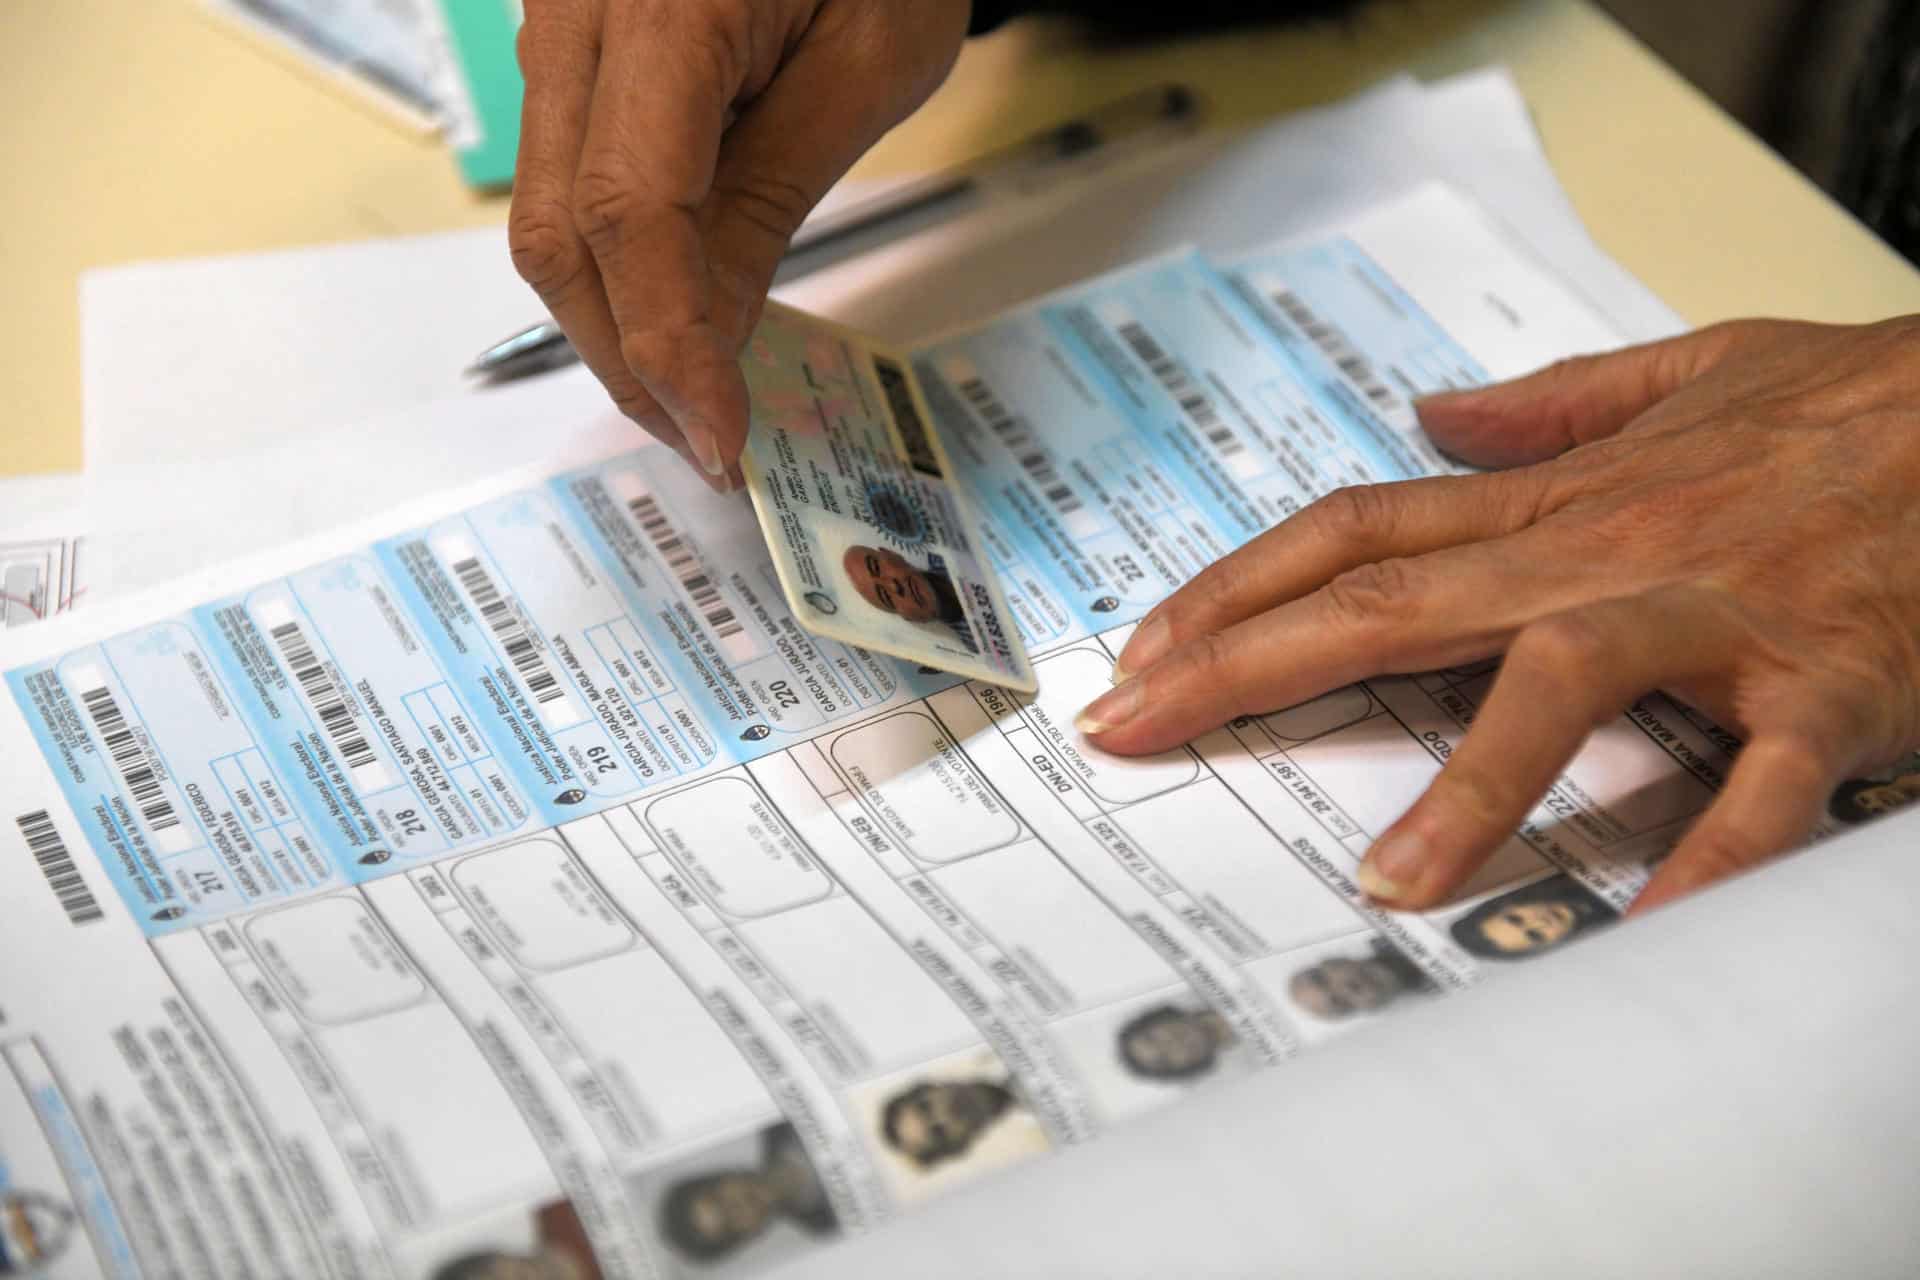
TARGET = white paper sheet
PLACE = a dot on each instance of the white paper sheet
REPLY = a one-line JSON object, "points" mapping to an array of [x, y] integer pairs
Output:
{"points": [[1722, 1089]]}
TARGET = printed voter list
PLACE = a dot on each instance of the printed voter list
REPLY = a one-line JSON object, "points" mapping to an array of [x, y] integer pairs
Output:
{"points": [[523, 881], [873, 541]]}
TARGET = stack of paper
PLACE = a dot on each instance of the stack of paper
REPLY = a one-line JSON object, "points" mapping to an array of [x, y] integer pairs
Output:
{"points": [[494, 869]]}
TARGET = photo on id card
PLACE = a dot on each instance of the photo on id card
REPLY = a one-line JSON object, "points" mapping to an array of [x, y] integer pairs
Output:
{"points": [[874, 545]]}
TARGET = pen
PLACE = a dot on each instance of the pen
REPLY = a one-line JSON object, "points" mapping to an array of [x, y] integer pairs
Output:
{"points": [[1020, 169], [541, 347]]}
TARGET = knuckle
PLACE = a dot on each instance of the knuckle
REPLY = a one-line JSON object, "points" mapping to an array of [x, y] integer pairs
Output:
{"points": [[1212, 657], [1386, 590], [1804, 762], [1573, 370], [1211, 669], [769, 203], [1357, 515], [722, 40], [1218, 586], [632, 400], [540, 238], [554, 39], [603, 201], [642, 352], [1714, 852], [1486, 801], [524, 49], [1728, 334], [1564, 646]]}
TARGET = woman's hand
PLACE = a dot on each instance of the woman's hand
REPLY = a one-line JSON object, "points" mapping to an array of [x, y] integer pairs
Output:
{"points": [[668, 151], [1732, 516]]}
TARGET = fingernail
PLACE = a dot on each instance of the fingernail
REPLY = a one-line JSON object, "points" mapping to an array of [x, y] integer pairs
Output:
{"points": [[1148, 644], [707, 448], [1454, 398], [1111, 709], [1392, 865]]}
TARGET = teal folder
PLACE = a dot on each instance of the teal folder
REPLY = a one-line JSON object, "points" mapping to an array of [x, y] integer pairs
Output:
{"points": [[482, 34]]}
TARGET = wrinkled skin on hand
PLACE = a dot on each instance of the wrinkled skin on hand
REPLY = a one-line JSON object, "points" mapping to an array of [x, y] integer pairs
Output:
{"points": [[1730, 516], [668, 151]]}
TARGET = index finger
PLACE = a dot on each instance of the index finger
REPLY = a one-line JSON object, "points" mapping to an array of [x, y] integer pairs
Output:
{"points": [[1350, 527], [1390, 617], [1564, 676], [660, 105], [559, 57]]}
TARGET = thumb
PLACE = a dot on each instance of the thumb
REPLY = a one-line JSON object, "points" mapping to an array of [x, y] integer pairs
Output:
{"points": [[1570, 403], [843, 86]]}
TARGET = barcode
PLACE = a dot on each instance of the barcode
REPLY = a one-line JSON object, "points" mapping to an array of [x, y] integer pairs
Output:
{"points": [[684, 565], [906, 417], [504, 621], [335, 712], [129, 759], [56, 864], [1014, 433], [1335, 345], [1173, 379]]}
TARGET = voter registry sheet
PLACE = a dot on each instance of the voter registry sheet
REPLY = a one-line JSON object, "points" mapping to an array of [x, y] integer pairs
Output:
{"points": [[515, 878]]}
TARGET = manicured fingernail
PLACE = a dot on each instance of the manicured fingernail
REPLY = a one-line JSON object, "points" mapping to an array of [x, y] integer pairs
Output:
{"points": [[1392, 865], [1111, 709], [1148, 644]]}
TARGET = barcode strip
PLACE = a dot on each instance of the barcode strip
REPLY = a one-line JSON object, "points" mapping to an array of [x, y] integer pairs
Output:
{"points": [[56, 864], [1014, 433], [129, 759], [906, 417], [329, 703], [503, 620], [1195, 403], [684, 565], [1337, 347]]}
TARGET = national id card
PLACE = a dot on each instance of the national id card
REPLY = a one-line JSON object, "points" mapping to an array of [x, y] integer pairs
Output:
{"points": [[873, 542]]}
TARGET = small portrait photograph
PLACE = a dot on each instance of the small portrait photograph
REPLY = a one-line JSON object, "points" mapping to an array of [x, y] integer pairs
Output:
{"points": [[556, 1249], [36, 1231], [740, 1206], [923, 594], [1871, 797], [1537, 917], [946, 1122], [1356, 982], [1144, 1052], [1174, 1043]]}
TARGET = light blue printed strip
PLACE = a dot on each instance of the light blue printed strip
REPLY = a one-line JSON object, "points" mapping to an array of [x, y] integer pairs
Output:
{"points": [[1127, 431], [557, 651], [1360, 339], [538, 658]]}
